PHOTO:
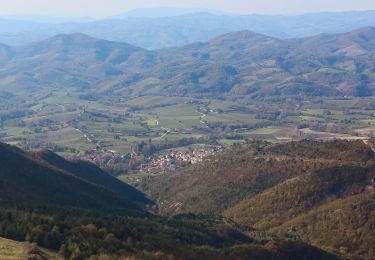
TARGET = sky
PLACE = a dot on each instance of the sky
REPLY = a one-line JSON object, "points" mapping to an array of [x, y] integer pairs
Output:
{"points": [[103, 8]]}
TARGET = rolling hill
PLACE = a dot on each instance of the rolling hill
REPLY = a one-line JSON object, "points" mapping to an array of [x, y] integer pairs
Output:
{"points": [[298, 195], [303, 189], [70, 60], [345, 224], [236, 64], [45, 178], [246, 63], [228, 178]]}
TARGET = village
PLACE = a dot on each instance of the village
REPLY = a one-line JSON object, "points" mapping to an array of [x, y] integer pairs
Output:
{"points": [[164, 162], [170, 161]]}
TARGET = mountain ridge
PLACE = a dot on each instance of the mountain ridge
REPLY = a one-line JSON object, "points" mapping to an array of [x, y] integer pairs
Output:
{"points": [[184, 29], [236, 64]]}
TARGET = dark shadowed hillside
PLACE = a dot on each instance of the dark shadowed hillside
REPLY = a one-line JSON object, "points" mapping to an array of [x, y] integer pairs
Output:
{"points": [[93, 174], [44, 178]]}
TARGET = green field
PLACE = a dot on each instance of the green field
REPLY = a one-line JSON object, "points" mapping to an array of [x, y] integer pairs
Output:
{"points": [[65, 119]]}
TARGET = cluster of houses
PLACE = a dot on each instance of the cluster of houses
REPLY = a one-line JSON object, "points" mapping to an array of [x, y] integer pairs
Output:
{"points": [[170, 161], [166, 162]]}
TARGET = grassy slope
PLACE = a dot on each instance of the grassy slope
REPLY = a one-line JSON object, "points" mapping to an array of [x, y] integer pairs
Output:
{"points": [[10, 249]]}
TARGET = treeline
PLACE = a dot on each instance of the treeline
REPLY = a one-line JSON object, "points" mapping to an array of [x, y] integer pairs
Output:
{"points": [[338, 150], [83, 234], [50, 146]]}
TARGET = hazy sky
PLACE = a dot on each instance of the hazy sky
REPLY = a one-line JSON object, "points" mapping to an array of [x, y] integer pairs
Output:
{"points": [[101, 8]]}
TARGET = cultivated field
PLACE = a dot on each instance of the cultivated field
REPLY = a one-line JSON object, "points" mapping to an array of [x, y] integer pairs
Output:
{"points": [[70, 123]]}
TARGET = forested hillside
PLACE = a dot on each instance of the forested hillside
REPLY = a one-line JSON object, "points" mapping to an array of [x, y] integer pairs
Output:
{"points": [[80, 212], [80, 234], [298, 188], [242, 63]]}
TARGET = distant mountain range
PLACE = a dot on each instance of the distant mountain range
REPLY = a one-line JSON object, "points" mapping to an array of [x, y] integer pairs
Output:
{"points": [[161, 28], [241, 63]]}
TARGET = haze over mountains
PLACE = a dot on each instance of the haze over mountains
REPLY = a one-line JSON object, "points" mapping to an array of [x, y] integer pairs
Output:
{"points": [[239, 63], [165, 12], [161, 28]]}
